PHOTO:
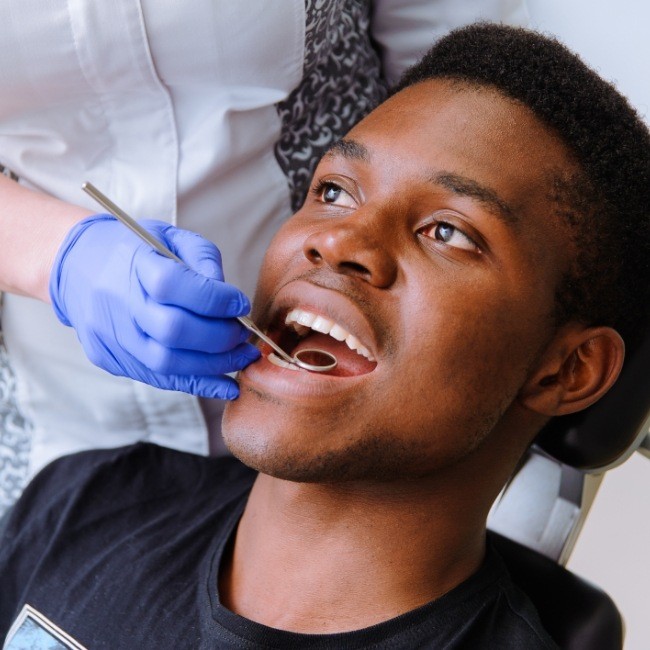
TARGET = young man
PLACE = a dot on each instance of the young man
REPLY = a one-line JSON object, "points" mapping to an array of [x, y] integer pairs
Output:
{"points": [[473, 253]]}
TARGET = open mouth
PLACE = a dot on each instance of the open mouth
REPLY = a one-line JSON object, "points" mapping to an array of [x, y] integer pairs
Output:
{"points": [[304, 330]]}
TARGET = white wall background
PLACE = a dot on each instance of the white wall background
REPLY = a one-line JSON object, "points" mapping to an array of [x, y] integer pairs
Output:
{"points": [[613, 551]]}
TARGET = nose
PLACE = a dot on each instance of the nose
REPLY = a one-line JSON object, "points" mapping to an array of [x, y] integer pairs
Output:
{"points": [[351, 249]]}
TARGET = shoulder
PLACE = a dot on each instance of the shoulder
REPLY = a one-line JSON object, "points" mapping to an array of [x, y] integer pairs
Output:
{"points": [[485, 611], [516, 621], [108, 480], [94, 515], [488, 611]]}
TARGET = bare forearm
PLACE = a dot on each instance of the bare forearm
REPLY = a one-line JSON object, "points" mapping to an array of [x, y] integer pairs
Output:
{"points": [[32, 227]]}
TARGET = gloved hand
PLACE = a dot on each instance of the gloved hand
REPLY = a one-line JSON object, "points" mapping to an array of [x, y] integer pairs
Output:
{"points": [[141, 315]]}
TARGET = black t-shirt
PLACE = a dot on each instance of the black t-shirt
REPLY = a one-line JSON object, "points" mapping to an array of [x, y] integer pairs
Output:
{"points": [[120, 549]]}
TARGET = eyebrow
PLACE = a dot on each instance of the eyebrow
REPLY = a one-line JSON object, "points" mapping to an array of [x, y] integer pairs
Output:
{"points": [[456, 183], [464, 186], [349, 149]]}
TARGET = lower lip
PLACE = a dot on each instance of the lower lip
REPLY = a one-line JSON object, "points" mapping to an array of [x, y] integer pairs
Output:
{"points": [[269, 378]]}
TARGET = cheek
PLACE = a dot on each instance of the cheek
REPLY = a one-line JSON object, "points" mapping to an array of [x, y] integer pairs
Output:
{"points": [[472, 345], [283, 253]]}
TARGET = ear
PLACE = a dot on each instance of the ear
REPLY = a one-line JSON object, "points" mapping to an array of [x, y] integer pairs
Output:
{"points": [[577, 368]]}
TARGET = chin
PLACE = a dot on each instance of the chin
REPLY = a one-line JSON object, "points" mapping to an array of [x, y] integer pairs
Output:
{"points": [[371, 456], [273, 453]]}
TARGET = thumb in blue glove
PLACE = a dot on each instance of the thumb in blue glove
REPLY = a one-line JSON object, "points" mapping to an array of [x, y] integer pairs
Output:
{"points": [[141, 315]]}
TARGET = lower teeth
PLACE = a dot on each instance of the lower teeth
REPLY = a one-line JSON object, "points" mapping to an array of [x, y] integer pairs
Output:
{"points": [[275, 360]]}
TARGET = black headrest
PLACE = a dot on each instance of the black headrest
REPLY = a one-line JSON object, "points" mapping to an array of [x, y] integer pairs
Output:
{"points": [[599, 435], [576, 614]]}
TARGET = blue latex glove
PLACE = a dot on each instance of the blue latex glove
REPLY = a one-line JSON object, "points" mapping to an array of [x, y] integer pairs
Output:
{"points": [[141, 315]]}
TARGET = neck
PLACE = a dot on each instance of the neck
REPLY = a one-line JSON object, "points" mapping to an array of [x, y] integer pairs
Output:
{"points": [[336, 558]]}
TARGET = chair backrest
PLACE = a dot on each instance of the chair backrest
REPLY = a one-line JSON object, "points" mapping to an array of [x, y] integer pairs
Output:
{"points": [[576, 614]]}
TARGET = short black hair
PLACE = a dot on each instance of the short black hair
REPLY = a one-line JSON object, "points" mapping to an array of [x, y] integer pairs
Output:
{"points": [[607, 204]]}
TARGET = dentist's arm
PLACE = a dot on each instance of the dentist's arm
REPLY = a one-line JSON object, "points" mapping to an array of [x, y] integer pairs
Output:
{"points": [[136, 313], [32, 227]]}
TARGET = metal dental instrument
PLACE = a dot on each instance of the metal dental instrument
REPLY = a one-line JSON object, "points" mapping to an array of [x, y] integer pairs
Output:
{"points": [[329, 360]]}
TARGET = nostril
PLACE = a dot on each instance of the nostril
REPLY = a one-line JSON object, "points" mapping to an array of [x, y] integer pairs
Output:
{"points": [[313, 255], [356, 269]]}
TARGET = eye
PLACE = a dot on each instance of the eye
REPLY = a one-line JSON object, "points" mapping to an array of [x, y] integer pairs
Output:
{"points": [[450, 235], [330, 192]]}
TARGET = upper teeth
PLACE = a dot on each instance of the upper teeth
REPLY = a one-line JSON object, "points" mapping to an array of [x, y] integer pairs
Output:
{"points": [[302, 321]]}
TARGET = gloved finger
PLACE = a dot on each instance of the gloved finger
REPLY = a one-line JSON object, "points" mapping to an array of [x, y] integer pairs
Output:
{"points": [[171, 283], [219, 387], [173, 361], [175, 327], [199, 253], [212, 387]]}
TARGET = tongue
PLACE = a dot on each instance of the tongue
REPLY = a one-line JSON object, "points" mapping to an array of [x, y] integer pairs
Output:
{"points": [[349, 362]]}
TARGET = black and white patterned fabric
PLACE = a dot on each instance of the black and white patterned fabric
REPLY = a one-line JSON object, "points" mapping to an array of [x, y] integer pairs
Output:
{"points": [[341, 83], [15, 430], [5, 171], [15, 435]]}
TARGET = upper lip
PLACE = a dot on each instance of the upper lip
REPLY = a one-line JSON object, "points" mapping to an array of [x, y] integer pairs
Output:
{"points": [[332, 304]]}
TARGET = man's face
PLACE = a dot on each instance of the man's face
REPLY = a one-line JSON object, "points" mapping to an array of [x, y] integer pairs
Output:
{"points": [[429, 236]]}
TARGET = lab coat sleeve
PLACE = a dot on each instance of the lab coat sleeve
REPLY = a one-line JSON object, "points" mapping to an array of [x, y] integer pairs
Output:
{"points": [[405, 30]]}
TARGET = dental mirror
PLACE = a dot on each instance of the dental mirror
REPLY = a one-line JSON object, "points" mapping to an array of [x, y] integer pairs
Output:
{"points": [[313, 359], [321, 361]]}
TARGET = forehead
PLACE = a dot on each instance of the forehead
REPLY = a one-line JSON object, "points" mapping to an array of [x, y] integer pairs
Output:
{"points": [[474, 132], [467, 110]]}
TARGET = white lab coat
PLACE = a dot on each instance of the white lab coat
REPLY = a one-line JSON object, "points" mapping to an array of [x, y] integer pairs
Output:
{"points": [[170, 109]]}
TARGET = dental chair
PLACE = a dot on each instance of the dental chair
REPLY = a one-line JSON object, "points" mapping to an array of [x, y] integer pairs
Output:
{"points": [[537, 519]]}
